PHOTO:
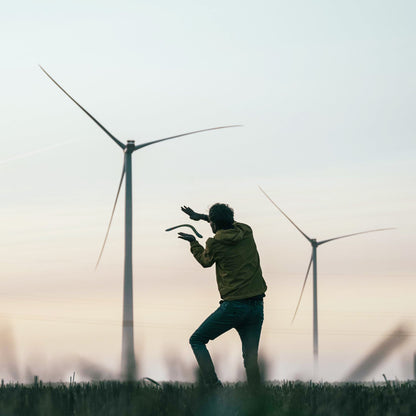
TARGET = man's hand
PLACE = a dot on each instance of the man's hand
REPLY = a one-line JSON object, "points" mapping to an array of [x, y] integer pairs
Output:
{"points": [[187, 237], [192, 214]]}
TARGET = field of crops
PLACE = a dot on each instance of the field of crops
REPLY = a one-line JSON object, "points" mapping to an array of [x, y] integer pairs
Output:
{"points": [[173, 399]]}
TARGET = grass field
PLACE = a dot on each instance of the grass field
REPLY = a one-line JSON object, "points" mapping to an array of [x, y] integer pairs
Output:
{"points": [[171, 399]]}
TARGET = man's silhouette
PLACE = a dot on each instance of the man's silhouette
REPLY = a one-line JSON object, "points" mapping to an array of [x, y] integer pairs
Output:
{"points": [[241, 286]]}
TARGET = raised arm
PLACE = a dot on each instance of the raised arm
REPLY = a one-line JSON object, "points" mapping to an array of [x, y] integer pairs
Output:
{"points": [[194, 215], [203, 256]]}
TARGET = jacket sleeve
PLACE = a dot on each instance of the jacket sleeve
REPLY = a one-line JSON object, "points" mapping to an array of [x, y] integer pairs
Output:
{"points": [[203, 256]]}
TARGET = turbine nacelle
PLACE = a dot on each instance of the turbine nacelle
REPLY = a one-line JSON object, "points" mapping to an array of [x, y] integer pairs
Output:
{"points": [[130, 147]]}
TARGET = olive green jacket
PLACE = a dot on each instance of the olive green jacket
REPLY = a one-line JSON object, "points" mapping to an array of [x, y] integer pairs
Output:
{"points": [[237, 262]]}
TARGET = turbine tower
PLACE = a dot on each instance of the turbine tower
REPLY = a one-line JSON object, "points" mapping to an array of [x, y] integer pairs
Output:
{"points": [[128, 361], [313, 261]]}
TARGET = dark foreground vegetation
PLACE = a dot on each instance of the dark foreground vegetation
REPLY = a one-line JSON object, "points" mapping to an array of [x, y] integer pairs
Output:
{"points": [[173, 399]]}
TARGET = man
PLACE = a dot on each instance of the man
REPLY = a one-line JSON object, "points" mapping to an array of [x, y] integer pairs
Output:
{"points": [[241, 286]]}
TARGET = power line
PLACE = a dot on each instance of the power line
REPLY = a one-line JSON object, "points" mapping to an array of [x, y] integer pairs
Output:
{"points": [[169, 325]]}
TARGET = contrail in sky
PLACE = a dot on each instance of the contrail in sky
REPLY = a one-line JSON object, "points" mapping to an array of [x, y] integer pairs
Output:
{"points": [[35, 152]]}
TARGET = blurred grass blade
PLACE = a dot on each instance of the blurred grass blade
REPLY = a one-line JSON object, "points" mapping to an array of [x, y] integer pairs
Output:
{"points": [[379, 353]]}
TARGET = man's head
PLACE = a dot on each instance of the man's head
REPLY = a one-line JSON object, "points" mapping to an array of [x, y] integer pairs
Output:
{"points": [[221, 217]]}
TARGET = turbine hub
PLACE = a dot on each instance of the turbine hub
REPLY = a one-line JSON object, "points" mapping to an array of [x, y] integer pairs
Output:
{"points": [[130, 146]]}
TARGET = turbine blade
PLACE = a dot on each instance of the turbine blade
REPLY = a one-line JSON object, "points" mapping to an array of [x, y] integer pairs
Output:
{"points": [[112, 215], [123, 146], [303, 287], [185, 225], [139, 146], [267, 196], [350, 235]]}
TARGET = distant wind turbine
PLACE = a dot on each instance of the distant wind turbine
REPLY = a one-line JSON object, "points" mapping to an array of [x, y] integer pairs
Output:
{"points": [[128, 361], [313, 261]]}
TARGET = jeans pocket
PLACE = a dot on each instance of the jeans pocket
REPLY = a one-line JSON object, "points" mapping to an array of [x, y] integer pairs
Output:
{"points": [[259, 310], [240, 309]]}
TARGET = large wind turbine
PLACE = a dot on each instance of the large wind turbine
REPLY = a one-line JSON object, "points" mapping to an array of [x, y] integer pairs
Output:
{"points": [[315, 244], [128, 361]]}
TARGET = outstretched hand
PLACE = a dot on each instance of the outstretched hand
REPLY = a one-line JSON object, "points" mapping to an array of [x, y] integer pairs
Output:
{"points": [[187, 237], [192, 214]]}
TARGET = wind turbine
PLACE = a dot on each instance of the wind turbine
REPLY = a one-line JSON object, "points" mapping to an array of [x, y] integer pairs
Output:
{"points": [[315, 244], [128, 361]]}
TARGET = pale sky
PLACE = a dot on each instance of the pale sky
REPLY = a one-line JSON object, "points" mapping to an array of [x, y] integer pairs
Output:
{"points": [[325, 92]]}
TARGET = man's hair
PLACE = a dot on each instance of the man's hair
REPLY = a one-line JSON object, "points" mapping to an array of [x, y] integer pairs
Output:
{"points": [[221, 215]]}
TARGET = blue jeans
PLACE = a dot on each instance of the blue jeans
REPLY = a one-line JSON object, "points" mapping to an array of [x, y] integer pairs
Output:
{"points": [[246, 316]]}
